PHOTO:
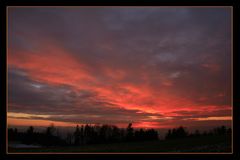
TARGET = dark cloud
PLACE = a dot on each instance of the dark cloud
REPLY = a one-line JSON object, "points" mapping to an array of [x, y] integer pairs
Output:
{"points": [[26, 92], [64, 104]]}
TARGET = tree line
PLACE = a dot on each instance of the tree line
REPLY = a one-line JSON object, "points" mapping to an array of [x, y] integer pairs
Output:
{"points": [[84, 134], [96, 134], [182, 132]]}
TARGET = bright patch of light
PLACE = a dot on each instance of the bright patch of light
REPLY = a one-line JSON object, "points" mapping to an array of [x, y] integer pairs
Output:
{"points": [[226, 118], [38, 86], [25, 115]]}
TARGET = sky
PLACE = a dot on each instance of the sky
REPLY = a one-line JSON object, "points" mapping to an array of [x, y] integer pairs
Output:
{"points": [[155, 67]]}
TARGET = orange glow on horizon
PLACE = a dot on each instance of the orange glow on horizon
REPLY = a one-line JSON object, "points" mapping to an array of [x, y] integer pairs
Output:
{"points": [[148, 125], [37, 122], [225, 118]]}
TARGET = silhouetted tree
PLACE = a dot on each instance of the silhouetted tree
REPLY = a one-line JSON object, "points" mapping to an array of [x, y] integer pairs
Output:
{"points": [[69, 139], [15, 130], [229, 131], [51, 130], [130, 131], [13, 134], [139, 135], [196, 133], [82, 135], [115, 136], [29, 137], [220, 130], [205, 133], [169, 134], [177, 133], [151, 134], [87, 133], [51, 139], [30, 130], [77, 136]]}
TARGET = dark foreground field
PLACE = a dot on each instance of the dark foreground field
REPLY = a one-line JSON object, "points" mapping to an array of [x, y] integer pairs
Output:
{"points": [[192, 144]]}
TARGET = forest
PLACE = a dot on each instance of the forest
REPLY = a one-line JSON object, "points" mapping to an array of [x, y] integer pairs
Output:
{"points": [[103, 134]]}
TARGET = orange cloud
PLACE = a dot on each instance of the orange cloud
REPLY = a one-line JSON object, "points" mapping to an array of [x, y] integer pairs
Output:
{"points": [[54, 66], [34, 122], [226, 118], [148, 125]]}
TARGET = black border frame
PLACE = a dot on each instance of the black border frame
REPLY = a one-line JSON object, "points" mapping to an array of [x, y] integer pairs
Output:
{"points": [[236, 96]]}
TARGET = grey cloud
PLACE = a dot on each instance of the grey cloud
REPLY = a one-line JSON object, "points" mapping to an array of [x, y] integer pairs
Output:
{"points": [[77, 106]]}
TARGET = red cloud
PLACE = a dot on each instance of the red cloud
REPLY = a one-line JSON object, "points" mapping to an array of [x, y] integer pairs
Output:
{"points": [[55, 66]]}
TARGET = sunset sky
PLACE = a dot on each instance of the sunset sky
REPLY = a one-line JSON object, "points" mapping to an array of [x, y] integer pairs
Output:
{"points": [[156, 67]]}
